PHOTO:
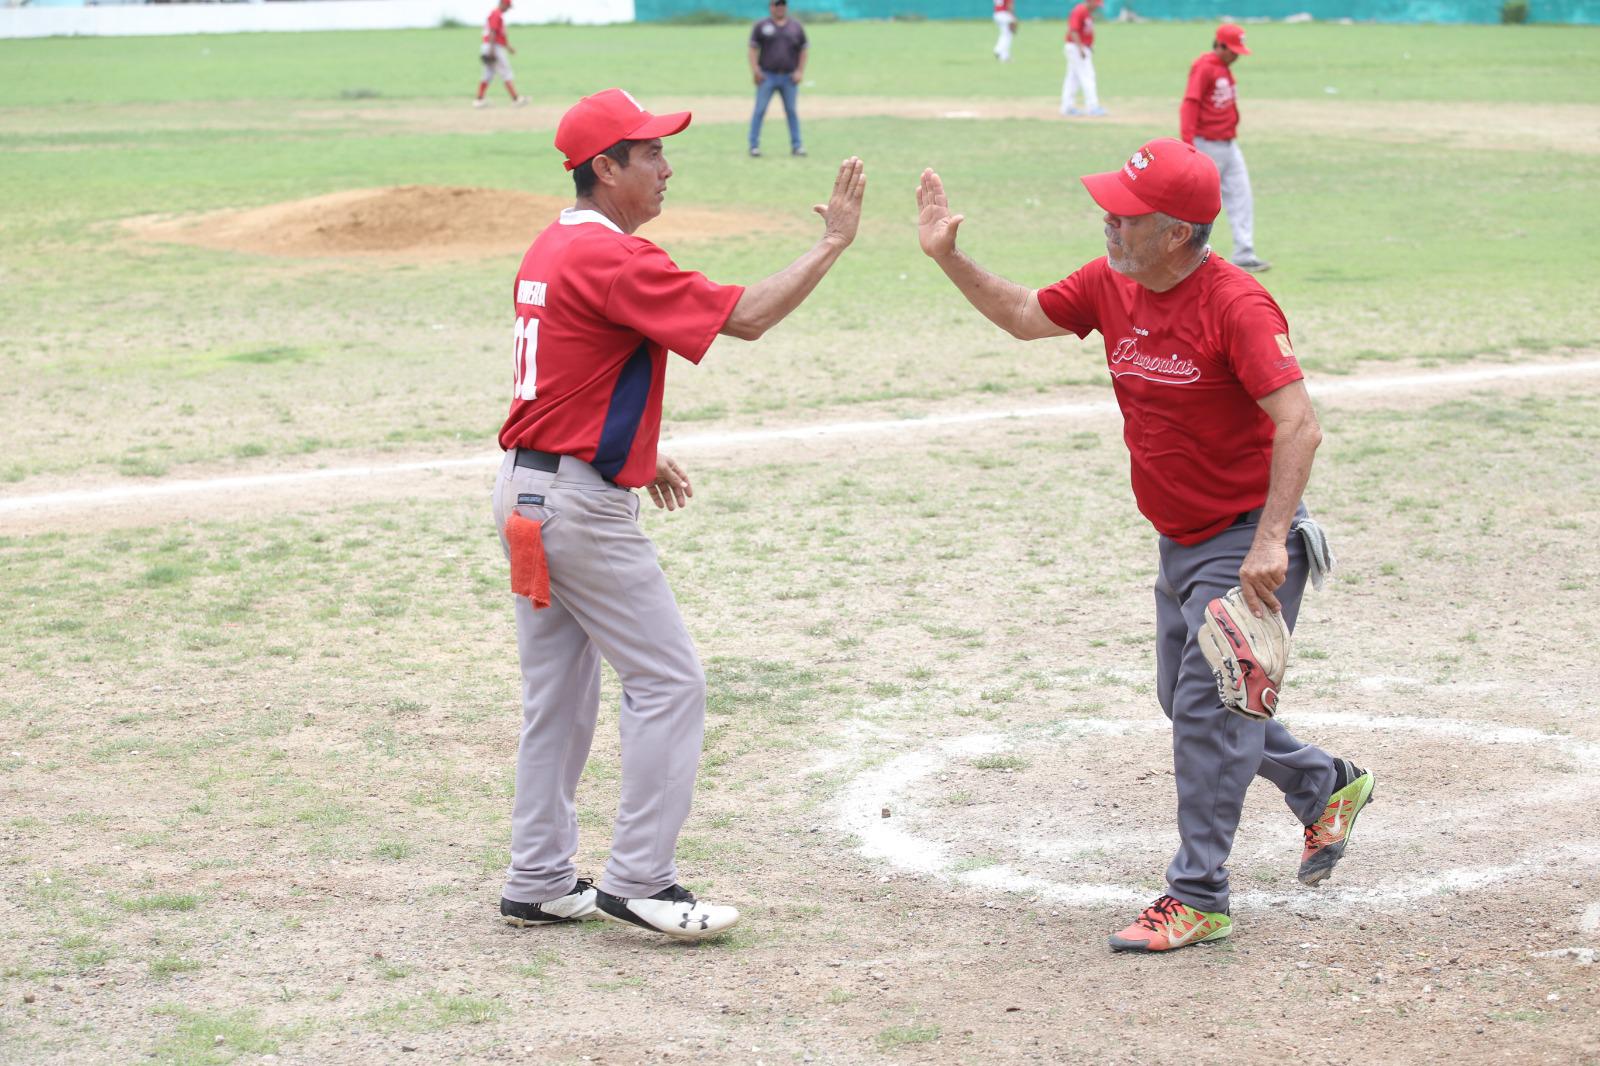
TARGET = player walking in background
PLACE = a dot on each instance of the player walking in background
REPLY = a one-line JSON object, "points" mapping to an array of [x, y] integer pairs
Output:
{"points": [[597, 310], [778, 52], [1005, 17], [1209, 120], [1221, 433], [1080, 61], [494, 53]]}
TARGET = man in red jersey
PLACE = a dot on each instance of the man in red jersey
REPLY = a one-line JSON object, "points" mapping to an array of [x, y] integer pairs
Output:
{"points": [[1080, 62], [494, 54], [597, 310], [1221, 434], [1209, 120]]}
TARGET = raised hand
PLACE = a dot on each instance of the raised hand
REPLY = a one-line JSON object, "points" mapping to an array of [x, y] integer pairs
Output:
{"points": [[936, 226], [841, 215]]}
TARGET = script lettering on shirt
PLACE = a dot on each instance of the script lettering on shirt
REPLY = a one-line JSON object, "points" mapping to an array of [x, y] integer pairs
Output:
{"points": [[1222, 93], [531, 293], [1127, 361]]}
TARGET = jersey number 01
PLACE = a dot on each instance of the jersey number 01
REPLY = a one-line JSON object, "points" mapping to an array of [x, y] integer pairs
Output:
{"points": [[525, 358]]}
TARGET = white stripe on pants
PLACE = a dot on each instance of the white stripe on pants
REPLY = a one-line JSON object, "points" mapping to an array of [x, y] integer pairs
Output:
{"points": [[608, 598], [1236, 199], [1080, 76]]}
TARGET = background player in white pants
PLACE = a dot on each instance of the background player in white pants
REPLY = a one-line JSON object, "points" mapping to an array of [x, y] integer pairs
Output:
{"points": [[495, 52], [597, 311], [1080, 61], [1209, 120], [1005, 17]]}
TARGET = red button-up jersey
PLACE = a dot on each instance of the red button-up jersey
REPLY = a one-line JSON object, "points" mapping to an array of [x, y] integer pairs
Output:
{"points": [[597, 311]]}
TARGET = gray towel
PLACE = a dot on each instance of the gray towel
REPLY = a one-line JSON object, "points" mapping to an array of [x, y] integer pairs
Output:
{"points": [[1317, 551]]}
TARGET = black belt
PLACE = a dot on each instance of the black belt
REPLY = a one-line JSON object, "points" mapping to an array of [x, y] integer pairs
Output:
{"points": [[530, 459], [1249, 517]]}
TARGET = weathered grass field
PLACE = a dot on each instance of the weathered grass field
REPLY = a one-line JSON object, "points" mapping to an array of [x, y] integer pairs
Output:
{"points": [[255, 739]]}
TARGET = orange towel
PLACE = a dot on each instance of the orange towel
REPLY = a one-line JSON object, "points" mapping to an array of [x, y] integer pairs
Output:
{"points": [[530, 572]]}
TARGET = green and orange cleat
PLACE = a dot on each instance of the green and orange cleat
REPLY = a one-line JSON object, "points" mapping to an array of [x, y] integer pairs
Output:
{"points": [[1327, 837], [1167, 925]]}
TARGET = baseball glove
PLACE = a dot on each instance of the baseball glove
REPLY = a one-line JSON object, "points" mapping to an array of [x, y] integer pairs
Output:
{"points": [[1247, 655]]}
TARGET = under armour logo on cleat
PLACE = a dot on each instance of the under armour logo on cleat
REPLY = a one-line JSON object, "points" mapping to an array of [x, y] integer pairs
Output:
{"points": [[703, 919]]}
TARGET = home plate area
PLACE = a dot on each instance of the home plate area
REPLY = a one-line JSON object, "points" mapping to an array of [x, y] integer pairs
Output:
{"points": [[1081, 811]]}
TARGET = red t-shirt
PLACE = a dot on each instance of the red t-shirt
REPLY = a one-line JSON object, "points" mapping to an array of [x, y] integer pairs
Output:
{"points": [[1210, 103], [494, 30], [1188, 366], [1002, 5], [597, 312], [1081, 21]]}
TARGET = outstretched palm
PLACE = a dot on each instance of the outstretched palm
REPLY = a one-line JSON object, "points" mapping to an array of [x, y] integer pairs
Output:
{"points": [[936, 226], [841, 215]]}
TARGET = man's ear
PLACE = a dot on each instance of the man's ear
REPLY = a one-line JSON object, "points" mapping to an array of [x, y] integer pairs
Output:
{"points": [[605, 169]]}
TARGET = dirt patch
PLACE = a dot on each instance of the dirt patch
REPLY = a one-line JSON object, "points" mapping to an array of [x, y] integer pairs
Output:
{"points": [[412, 222]]}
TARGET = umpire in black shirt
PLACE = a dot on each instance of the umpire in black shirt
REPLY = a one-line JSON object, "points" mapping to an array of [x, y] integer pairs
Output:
{"points": [[778, 65]]}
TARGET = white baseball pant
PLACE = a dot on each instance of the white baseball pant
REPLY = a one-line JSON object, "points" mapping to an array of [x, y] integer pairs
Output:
{"points": [[1008, 29], [1080, 78], [1236, 199], [608, 598], [496, 62]]}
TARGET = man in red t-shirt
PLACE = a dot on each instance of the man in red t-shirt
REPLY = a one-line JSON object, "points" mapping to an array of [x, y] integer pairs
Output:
{"points": [[1079, 50], [1221, 434], [1209, 120], [598, 309], [494, 53]]}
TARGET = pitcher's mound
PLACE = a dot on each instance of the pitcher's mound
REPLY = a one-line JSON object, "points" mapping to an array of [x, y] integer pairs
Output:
{"points": [[415, 222]]}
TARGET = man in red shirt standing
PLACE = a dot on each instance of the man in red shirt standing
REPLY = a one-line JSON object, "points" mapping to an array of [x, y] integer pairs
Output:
{"points": [[1209, 120], [494, 54], [1221, 434], [597, 311], [1080, 61]]}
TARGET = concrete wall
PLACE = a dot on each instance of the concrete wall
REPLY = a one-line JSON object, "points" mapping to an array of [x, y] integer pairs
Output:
{"points": [[138, 19]]}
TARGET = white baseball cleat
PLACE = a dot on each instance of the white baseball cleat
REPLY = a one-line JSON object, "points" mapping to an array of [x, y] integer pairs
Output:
{"points": [[672, 912], [480, 103], [574, 906], [521, 101]]}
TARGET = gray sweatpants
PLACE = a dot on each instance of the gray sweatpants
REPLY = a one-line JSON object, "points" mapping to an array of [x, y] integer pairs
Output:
{"points": [[1236, 200], [1216, 753], [608, 598]]}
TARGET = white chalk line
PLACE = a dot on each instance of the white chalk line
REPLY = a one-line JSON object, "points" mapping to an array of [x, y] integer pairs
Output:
{"points": [[114, 494], [890, 841]]}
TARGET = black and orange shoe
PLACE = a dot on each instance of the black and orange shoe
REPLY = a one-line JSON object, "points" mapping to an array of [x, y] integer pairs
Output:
{"points": [[1327, 837], [1167, 925]]}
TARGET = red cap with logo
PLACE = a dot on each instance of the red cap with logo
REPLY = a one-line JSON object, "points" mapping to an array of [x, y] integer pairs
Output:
{"points": [[596, 122], [1231, 37], [1165, 175]]}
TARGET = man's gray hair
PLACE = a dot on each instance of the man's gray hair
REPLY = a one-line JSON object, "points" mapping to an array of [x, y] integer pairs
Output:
{"points": [[1199, 232]]}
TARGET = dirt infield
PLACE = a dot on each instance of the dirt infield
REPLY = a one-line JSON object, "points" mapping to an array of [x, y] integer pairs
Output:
{"points": [[411, 222]]}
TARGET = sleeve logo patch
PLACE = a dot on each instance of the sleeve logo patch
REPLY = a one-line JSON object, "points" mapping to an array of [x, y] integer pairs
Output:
{"points": [[1283, 345]]}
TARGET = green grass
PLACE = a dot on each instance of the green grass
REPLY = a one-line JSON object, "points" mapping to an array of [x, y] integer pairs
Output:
{"points": [[1374, 266]]}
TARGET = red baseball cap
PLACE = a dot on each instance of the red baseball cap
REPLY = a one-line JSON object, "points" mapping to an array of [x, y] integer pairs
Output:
{"points": [[596, 122], [1231, 37], [1165, 175]]}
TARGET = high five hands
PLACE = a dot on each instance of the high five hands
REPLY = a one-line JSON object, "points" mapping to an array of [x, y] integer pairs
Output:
{"points": [[936, 226], [841, 215]]}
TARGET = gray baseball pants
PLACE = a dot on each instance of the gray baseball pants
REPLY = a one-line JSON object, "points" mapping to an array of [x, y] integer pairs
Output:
{"points": [[1236, 200], [1215, 752], [608, 598]]}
